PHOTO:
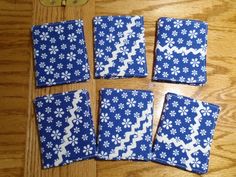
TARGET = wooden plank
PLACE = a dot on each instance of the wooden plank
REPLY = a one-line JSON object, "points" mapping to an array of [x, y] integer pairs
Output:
{"points": [[15, 21]]}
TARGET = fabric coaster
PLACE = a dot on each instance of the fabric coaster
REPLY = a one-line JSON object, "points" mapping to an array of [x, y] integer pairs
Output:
{"points": [[119, 47], [60, 53], [185, 133], [65, 128], [125, 124], [181, 51]]}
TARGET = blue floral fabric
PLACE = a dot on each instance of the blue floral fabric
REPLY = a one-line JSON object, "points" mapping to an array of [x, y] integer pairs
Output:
{"points": [[185, 133], [119, 47], [125, 124], [181, 51], [65, 127], [60, 53]]}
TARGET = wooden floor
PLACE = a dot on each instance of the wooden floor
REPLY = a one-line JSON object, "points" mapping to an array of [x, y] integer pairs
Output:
{"points": [[19, 146]]}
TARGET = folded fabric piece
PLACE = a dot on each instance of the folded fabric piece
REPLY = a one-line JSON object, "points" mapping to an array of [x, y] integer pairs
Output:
{"points": [[119, 47], [60, 53], [125, 124], [181, 51], [65, 127], [185, 133]]}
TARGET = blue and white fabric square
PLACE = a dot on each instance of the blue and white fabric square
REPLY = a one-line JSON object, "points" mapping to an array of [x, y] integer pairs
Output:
{"points": [[65, 127], [185, 133], [125, 125], [119, 47], [60, 53], [181, 51]]}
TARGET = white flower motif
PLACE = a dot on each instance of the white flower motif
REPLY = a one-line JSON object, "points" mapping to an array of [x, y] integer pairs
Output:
{"points": [[110, 38], [167, 124], [127, 123], [192, 34], [119, 23], [56, 134], [99, 66], [53, 49], [163, 155], [78, 120], [72, 37], [207, 142], [104, 117], [116, 139], [76, 150], [124, 50], [99, 53], [206, 111], [170, 41], [196, 163], [205, 166], [59, 112], [105, 103], [168, 55], [140, 60], [143, 147], [182, 129], [49, 70], [71, 56], [40, 116], [178, 23], [183, 110], [59, 29], [194, 62], [73, 140], [85, 67], [103, 155], [97, 20], [48, 155], [87, 149], [44, 36], [131, 102], [57, 149], [208, 123], [175, 70], [172, 161], [65, 75]]}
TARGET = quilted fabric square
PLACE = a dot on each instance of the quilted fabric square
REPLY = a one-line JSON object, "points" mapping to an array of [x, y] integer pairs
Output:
{"points": [[185, 133], [181, 51], [60, 53], [65, 127], [125, 125], [119, 47]]}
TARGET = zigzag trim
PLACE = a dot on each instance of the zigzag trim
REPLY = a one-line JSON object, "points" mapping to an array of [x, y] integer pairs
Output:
{"points": [[193, 135], [139, 134], [115, 53], [133, 52], [190, 149], [77, 99], [182, 50], [115, 153]]}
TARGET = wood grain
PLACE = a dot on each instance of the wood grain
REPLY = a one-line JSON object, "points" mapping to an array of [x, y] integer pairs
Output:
{"points": [[15, 21], [19, 145]]}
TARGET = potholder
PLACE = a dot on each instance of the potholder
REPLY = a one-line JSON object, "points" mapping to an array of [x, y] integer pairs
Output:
{"points": [[65, 128], [60, 53], [119, 47], [125, 124], [185, 133], [181, 51]]}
